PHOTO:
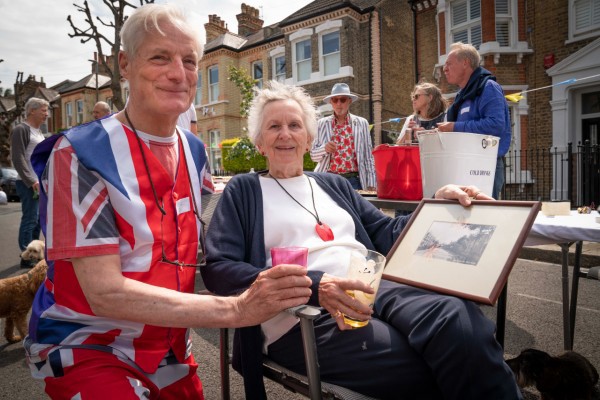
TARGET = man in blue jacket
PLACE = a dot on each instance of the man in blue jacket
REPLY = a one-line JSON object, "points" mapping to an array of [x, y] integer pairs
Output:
{"points": [[479, 105]]}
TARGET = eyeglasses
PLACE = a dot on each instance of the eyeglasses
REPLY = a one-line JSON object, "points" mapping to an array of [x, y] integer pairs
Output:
{"points": [[339, 99], [417, 95], [162, 209], [202, 243]]}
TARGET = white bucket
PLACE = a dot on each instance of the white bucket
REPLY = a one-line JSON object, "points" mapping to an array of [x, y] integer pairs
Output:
{"points": [[459, 158]]}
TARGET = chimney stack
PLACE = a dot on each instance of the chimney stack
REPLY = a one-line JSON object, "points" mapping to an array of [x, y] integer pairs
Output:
{"points": [[215, 27], [248, 21]]}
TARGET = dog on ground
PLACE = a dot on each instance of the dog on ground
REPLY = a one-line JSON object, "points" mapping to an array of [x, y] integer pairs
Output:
{"points": [[34, 251], [16, 298], [569, 376]]}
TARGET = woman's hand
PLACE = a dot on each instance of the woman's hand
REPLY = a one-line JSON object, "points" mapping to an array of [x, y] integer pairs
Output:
{"points": [[333, 297], [464, 194]]}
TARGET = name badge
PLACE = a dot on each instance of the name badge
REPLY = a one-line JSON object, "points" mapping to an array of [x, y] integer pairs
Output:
{"points": [[183, 205], [464, 110]]}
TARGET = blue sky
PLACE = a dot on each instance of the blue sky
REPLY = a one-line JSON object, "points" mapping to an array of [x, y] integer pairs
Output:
{"points": [[34, 33]]}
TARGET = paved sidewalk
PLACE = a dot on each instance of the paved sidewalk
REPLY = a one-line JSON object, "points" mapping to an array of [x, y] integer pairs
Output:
{"points": [[590, 254]]}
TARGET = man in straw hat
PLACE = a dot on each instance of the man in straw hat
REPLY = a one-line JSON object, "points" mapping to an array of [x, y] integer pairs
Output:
{"points": [[343, 143]]}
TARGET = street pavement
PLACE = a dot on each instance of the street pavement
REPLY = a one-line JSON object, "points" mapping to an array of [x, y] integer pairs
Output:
{"points": [[534, 319]]}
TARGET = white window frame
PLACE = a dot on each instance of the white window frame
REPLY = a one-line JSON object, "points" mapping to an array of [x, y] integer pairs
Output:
{"points": [[296, 38], [255, 68], [79, 109], [327, 29], [69, 114], [507, 19], [470, 25], [214, 151], [213, 87], [585, 9], [275, 54], [198, 97]]}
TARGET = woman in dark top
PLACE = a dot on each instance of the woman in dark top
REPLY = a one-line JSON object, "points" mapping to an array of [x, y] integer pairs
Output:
{"points": [[417, 344]]}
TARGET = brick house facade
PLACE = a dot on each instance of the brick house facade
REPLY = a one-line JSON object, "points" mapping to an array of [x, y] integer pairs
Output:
{"points": [[383, 47], [526, 45], [357, 42]]}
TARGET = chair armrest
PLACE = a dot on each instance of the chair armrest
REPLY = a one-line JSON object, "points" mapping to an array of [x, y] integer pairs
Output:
{"points": [[304, 311], [307, 315]]}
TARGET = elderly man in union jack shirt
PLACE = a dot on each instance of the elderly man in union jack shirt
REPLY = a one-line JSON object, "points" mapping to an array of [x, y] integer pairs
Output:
{"points": [[120, 209]]}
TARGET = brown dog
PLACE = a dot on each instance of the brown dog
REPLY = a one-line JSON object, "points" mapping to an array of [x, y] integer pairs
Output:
{"points": [[569, 376], [16, 298]]}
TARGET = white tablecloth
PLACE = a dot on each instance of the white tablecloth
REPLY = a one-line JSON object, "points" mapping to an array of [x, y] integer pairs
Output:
{"points": [[564, 228]]}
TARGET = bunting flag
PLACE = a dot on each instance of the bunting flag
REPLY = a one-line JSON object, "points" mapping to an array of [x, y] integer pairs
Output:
{"points": [[386, 122], [515, 97]]}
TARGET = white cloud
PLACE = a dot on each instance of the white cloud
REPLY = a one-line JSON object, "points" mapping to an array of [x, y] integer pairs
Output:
{"points": [[34, 33]]}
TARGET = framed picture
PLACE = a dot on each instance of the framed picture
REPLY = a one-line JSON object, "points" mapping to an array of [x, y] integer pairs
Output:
{"points": [[462, 251]]}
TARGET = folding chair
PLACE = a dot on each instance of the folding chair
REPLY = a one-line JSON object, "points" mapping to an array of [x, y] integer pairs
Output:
{"points": [[309, 385]]}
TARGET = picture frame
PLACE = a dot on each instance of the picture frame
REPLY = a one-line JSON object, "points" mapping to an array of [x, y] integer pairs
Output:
{"points": [[461, 251]]}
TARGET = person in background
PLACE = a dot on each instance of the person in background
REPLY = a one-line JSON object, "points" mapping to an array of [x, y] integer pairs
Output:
{"points": [[101, 110], [123, 225], [188, 120], [429, 108], [343, 144], [24, 137], [479, 105], [417, 345]]}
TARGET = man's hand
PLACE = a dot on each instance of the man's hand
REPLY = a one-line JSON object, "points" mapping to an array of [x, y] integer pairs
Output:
{"points": [[446, 126], [274, 290], [330, 147], [464, 194]]}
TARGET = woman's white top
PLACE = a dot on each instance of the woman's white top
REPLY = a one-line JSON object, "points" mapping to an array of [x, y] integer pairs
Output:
{"points": [[288, 224]]}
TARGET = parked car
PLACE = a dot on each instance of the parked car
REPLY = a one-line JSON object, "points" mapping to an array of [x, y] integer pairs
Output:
{"points": [[8, 176]]}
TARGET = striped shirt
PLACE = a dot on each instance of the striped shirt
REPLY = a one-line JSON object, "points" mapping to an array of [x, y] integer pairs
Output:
{"points": [[362, 143]]}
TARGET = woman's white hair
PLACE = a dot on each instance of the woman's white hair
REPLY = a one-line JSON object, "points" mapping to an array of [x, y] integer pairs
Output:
{"points": [[148, 19], [275, 91]]}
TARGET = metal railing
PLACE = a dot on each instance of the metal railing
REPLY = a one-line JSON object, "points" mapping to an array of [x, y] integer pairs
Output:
{"points": [[572, 174]]}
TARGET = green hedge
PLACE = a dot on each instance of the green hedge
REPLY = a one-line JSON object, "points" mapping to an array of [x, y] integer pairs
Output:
{"points": [[240, 155]]}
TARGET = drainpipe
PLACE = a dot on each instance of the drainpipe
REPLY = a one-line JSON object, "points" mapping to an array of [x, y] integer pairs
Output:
{"points": [[413, 7], [370, 68]]}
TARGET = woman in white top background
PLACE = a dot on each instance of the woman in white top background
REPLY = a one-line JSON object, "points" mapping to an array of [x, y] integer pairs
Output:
{"points": [[429, 108]]}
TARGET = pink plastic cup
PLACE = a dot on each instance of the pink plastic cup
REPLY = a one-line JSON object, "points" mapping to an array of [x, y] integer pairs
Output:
{"points": [[289, 255]]}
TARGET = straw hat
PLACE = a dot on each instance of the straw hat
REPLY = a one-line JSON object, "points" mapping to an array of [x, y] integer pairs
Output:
{"points": [[341, 89]]}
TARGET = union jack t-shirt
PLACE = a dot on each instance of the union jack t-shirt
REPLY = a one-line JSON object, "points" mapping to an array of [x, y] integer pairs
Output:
{"points": [[97, 200]]}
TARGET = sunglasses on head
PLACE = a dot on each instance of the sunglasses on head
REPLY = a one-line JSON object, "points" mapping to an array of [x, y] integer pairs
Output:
{"points": [[339, 99]]}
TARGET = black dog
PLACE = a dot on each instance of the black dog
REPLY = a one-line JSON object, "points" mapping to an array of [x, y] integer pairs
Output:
{"points": [[569, 376]]}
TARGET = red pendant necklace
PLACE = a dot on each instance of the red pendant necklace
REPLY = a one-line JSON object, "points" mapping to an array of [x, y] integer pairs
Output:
{"points": [[322, 229]]}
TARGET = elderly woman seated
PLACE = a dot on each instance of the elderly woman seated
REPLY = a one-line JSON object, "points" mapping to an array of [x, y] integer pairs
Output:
{"points": [[417, 345]]}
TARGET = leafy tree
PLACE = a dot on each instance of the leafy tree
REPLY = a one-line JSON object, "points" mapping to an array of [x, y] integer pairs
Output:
{"points": [[239, 154], [243, 155], [242, 79], [8, 117], [117, 8]]}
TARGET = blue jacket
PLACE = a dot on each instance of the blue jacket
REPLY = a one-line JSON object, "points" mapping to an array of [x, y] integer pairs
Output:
{"points": [[235, 249], [482, 109]]}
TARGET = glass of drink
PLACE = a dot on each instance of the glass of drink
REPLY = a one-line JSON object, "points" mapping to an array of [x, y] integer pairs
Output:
{"points": [[289, 255], [366, 266]]}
